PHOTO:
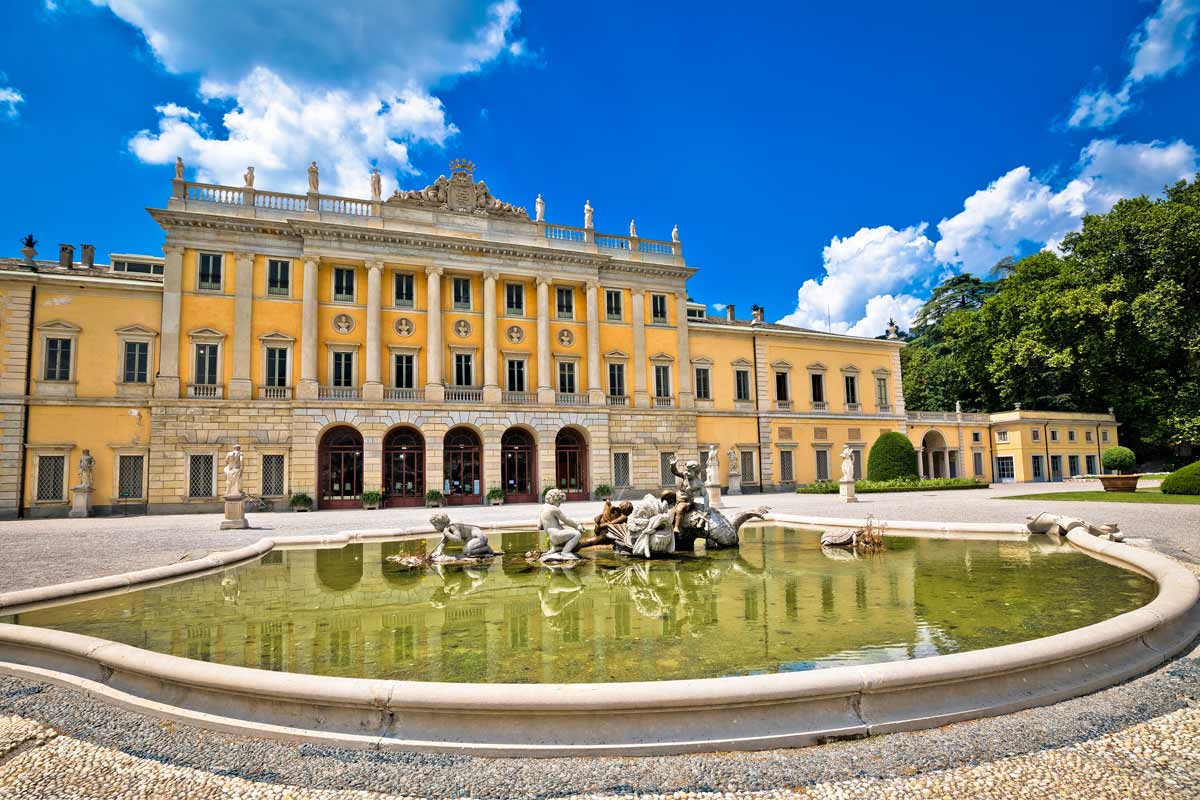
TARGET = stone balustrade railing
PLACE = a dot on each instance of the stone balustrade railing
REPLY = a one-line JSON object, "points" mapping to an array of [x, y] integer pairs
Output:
{"points": [[339, 392], [947, 416], [457, 394]]}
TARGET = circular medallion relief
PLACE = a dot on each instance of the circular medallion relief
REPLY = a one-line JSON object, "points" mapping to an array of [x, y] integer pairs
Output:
{"points": [[462, 328], [343, 323], [515, 334], [404, 326], [566, 338]]}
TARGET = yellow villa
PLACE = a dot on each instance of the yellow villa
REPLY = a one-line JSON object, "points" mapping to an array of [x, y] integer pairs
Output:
{"points": [[440, 339]]}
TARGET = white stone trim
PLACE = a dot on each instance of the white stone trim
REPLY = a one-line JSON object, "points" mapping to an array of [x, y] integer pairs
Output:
{"points": [[56, 329], [120, 450], [56, 449]]}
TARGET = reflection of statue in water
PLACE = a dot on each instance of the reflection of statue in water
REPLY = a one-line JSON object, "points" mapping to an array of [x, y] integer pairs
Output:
{"points": [[456, 582], [562, 588], [233, 472], [564, 533], [475, 544]]}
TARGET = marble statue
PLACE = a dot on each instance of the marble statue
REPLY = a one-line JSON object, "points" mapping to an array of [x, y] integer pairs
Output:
{"points": [[178, 168], [847, 464], [588, 211], [1061, 525], [314, 177], [376, 184], [233, 471], [475, 544], [690, 492], [87, 466], [249, 177], [564, 533], [734, 467], [539, 207], [650, 527], [632, 229], [713, 473], [675, 234]]}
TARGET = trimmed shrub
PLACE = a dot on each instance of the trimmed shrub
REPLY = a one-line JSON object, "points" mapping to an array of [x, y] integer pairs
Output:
{"points": [[892, 457], [898, 485], [1119, 459], [1183, 481]]}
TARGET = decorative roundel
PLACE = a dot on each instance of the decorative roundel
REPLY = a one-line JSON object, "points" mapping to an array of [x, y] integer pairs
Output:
{"points": [[566, 338], [462, 328], [515, 334], [343, 323], [404, 326]]}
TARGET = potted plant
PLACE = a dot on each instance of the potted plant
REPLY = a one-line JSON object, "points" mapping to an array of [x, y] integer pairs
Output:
{"points": [[371, 500], [300, 502], [1121, 461], [495, 495], [28, 245], [603, 491], [433, 499]]}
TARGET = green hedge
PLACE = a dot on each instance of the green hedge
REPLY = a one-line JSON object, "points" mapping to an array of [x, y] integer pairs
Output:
{"points": [[1119, 459], [1185, 480], [892, 457], [868, 487]]}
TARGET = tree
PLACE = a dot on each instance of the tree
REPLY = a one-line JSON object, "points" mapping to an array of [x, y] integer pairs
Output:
{"points": [[892, 456]]}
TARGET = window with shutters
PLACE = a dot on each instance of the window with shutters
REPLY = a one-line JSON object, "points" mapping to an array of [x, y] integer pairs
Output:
{"points": [[741, 385], [51, 478], [822, 465], [978, 463], [200, 475], [272, 475], [853, 434], [785, 434], [621, 471], [277, 366], [820, 434], [130, 481], [851, 382], [881, 392]]}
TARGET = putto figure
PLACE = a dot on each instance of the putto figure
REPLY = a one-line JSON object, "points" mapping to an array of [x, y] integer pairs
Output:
{"points": [[690, 492], [564, 532], [474, 543]]}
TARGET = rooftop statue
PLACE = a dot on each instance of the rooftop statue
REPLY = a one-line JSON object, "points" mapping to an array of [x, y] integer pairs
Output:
{"points": [[588, 214], [314, 177], [376, 184], [675, 234], [249, 177], [539, 206], [178, 168]]}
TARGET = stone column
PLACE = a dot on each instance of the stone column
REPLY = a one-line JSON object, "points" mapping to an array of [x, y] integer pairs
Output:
{"points": [[373, 386], [921, 463], [240, 387], [307, 388], [435, 390], [166, 383], [641, 399], [686, 396], [545, 389], [945, 463], [491, 355], [595, 392]]}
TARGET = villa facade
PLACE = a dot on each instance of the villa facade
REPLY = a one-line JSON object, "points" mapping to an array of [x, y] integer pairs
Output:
{"points": [[438, 339]]}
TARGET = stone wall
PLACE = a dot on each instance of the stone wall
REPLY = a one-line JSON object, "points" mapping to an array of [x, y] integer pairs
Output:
{"points": [[645, 436], [12, 424]]}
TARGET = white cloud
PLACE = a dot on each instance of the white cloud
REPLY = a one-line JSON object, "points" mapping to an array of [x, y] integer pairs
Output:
{"points": [[1161, 45], [10, 99], [347, 84], [718, 307]]}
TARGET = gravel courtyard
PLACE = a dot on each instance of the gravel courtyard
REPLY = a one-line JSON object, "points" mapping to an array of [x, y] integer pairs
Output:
{"points": [[1139, 739]]}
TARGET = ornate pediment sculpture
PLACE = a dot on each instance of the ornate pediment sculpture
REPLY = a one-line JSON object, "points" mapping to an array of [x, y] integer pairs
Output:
{"points": [[460, 192]]}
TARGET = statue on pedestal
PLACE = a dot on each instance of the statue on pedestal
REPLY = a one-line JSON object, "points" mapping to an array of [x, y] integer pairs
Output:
{"points": [[712, 475], [376, 185], [848, 464], [475, 544], [632, 229], [588, 211], [178, 168], [564, 533], [233, 473], [314, 177], [675, 234], [87, 466], [539, 207], [249, 177]]}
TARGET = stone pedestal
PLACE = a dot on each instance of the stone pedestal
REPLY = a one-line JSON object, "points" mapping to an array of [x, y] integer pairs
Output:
{"points": [[235, 513], [735, 485], [81, 502], [846, 492], [714, 495]]}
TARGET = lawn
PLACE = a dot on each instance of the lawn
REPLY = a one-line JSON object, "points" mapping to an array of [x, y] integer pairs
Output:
{"points": [[1152, 495]]}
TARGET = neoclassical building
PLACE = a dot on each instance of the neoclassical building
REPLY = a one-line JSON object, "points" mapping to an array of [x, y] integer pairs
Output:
{"points": [[437, 339]]}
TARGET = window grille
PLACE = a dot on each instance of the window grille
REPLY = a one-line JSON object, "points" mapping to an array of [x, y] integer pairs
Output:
{"points": [[272, 475], [621, 469], [822, 465], [747, 466], [664, 469], [51, 477], [200, 476], [129, 476], [786, 472]]}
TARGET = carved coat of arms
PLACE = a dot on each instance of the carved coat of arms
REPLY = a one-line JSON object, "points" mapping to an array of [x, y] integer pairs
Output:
{"points": [[460, 192]]}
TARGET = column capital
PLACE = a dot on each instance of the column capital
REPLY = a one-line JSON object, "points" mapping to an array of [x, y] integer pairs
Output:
{"points": [[243, 255], [681, 296], [173, 249], [431, 271], [592, 284], [314, 260], [375, 265], [542, 280], [491, 274], [637, 291]]}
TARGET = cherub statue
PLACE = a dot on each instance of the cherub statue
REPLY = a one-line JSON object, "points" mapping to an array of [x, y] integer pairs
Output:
{"points": [[691, 492], [475, 544], [564, 532]]}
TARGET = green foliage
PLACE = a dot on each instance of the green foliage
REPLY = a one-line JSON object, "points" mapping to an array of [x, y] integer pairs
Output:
{"points": [[603, 491], [897, 485], [300, 500], [433, 496], [495, 493], [892, 457], [371, 498], [1183, 481], [1118, 459]]}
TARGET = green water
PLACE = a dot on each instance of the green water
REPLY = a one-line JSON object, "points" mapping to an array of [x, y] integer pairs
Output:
{"points": [[779, 604]]}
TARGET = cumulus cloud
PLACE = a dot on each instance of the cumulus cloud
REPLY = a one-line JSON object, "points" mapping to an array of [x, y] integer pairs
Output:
{"points": [[10, 101], [1161, 46], [347, 84]]}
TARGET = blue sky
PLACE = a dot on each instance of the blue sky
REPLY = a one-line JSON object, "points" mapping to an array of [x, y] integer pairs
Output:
{"points": [[830, 162]]}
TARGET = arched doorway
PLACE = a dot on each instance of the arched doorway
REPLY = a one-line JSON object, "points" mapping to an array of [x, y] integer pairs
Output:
{"points": [[463, 465], [570, 464], [518, 466], [935, 456], [403, 468], [340, 460]]}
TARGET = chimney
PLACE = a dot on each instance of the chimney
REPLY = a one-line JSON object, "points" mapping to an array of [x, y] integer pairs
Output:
{"points": [[87, 255], [756, 315], [729, 315], [66, 255]]}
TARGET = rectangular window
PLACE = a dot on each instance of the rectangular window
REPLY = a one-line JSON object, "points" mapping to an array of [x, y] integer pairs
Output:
{"points": [[51, 479], [664, 469], [1087, 436], [200, 476], [343, 368], [58, 360], [464, 374], [1073, 465], [976, 437], [404, 290], [1036, 434], [1038, 472], [822, 465], [747, 466], [1070, 436], [1056, 468], [1004, 468], [1104, 436], [782, 388], [406, 370], [616, 380], [741, 385], [786, 472], [129, 477], [978, 463], [613, 310], [565, 302], [851, 390], [818, 388], [343, 285], [272, 475], [1002, 437], [279, 277], [703, 384], [662, 380], [514, 298], [137, 362], [658, 309], [462, 293], [137, 267], [277, 366], [881, 392], [209, 279], [1091, 466], [566, 377], [1053, 435], [206, 364], [621, 476], [516, 375]]}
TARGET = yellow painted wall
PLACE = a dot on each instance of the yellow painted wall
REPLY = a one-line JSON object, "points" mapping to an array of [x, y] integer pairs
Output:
{"points": [[97, 428]]}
